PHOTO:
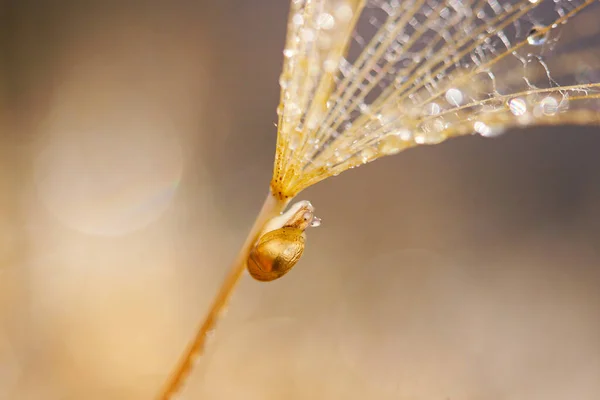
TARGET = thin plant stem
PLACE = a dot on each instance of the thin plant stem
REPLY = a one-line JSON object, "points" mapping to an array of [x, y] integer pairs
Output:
{"points": [[271, 208]]}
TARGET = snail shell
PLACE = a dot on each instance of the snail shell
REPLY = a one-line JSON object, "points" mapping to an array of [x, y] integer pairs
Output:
{"points": [[275, 253]]}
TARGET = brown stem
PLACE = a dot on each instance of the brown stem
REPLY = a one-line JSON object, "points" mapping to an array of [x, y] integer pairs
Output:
{"points": [[271, 208]]}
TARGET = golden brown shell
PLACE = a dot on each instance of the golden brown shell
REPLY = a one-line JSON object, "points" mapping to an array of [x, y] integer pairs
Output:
{"points": [[275, 253]]}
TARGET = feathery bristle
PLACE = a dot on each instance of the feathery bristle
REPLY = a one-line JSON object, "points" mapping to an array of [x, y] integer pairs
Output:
{"points": [[362, 80]]}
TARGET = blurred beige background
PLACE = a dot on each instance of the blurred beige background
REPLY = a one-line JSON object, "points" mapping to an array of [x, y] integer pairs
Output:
{"points": [[136, 146]]}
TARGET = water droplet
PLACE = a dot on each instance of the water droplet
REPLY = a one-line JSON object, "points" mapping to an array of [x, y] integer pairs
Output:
{"points": [[405, 134], [325, 21], [517, 106], [537, 36], [393, 143], [283, 82], [482, 128], [298, 19], [308, 35], [534, 1], [390, 146], [344, 12], [338, 156], [295, 140], [549, 105], [363, 107], [438, 125], [454, 97], [434, 135], [292, 109], [316, 221], [288, 53], [329, 65], [420, 138], [432, 109], [367, 155], [485, 130]]}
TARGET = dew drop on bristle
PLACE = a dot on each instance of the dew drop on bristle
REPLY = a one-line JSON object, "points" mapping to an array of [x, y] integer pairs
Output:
{"points": [[536, 36]]}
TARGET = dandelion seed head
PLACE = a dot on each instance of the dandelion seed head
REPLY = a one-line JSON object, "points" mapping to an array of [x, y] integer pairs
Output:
{"points": [[366, 79]]}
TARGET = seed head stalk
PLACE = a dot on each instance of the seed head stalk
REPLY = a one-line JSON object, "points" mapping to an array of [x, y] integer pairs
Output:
{"points": [[271, 208]]}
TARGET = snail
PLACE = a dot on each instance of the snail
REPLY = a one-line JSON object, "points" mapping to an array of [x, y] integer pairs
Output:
{"points": [[281, 243]]}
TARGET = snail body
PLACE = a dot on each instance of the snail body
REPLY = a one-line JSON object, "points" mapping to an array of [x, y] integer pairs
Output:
{"points": [[275, 253], [281, 243]]}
